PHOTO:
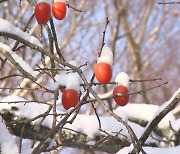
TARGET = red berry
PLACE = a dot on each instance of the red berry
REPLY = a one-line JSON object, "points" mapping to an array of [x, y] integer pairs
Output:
{"points": [[59, 10], [70, 98], [103, 72], [121, 90], [42, 12]]}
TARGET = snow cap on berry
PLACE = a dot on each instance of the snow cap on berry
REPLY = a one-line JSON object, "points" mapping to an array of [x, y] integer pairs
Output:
{"points": [[71, 79], [65, 1], [46, 1], [106, 56], [122, 79]]}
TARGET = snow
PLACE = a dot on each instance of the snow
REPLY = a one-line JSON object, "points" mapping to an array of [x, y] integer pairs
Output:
{"points": [[122, 79], [25, 110], [74, 81], [85, 123], [154, 150], [126, 150], [82, 121], [7, 142], [8, 99], [108, 94], [70, 79], [65, 1], [26, 146], [151, 150], [106, 56], [52, 143], [19, 60], [91, 143], [9, 28], [161, 108], [176, 125], [88, 124], [53, 86], [46, 1], [105, 95], [147, 110]]}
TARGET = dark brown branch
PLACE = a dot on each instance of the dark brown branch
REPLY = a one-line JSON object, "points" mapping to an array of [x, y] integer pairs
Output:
{"points": [[3, 1], [50, 37], [55, 39], [99, 121], [10, 76], [168, 3]]}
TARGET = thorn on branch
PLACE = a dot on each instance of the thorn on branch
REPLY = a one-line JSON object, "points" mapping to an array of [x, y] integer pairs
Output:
{"points": [[83, 65]]}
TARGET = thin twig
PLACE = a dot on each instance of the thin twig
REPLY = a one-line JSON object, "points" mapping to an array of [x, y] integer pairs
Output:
{"points": [[99, 121], [25, 102], [55, 39], [69, 6], [24, 29], [133, 93], [102, 45], [50, 37], [54, 108], [168, 3], [75, 131], [10, 76]]}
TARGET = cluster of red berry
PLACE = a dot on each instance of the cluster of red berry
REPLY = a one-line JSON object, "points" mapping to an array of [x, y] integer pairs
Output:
{"points": [[103, 68], [103, 73], [43, 11]]}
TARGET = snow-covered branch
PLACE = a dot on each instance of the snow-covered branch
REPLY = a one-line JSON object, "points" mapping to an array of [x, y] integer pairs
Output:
{"points": [[75, 92], [160, 114], [85, 129], [18, 62]]}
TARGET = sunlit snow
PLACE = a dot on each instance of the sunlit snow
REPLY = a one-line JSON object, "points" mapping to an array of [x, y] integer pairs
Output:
{"points": [[9, 28], [106, 56], [7, 142], [19, 60], [122, 79]]}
